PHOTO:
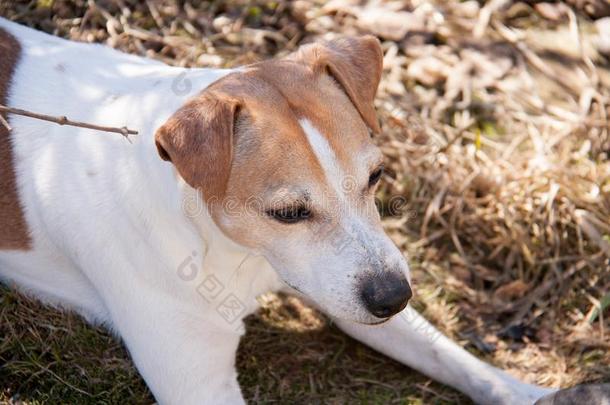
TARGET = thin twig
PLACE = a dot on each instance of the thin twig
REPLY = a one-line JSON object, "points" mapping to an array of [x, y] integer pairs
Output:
{"points": [[485, 16], [5, 123], [63, 120]]}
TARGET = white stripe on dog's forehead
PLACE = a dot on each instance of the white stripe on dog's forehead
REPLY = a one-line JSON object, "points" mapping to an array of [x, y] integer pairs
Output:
{"points": [[325, 154]]}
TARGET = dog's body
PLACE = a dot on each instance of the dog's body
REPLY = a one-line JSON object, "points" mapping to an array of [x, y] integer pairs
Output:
{"points": [[104, 227]]}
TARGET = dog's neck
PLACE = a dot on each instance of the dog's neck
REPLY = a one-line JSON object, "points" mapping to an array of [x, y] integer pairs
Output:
{"points": [[240, 271]]}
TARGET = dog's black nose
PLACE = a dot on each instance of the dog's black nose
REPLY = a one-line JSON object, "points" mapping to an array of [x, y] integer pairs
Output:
{"points": [[386, 294]]}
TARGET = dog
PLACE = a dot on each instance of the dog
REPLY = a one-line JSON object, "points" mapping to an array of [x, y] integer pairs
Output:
{"points": [[258, 179]]}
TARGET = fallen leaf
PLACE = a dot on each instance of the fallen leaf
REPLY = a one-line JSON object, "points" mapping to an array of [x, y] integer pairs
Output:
{"points": [[387, 24], [428, 70], [514, 289]]}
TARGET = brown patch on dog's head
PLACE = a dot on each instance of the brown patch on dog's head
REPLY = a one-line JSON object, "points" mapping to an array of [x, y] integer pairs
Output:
{"points": [[13, 227], [355, 63], [271, 97]]}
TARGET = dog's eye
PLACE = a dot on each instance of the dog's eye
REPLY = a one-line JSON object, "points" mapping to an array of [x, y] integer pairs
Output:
{"points": [[290, 215], [375, 176]]}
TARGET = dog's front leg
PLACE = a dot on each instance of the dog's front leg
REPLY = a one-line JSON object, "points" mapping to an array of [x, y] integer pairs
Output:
{"points": [[184, 357], [411, 340]]}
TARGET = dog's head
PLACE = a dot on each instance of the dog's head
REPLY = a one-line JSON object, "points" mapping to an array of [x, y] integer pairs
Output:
{"points": [[282, 153]]}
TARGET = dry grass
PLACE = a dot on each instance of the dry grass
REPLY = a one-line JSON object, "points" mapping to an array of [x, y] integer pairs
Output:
{"points": [[496, 132]]}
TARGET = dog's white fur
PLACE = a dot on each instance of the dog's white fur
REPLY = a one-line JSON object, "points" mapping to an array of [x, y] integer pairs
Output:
{"points": [[111, 240]]}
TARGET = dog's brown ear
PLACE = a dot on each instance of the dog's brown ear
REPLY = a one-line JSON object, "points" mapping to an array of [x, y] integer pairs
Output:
{"points": [[198, 140], [356, 63]]}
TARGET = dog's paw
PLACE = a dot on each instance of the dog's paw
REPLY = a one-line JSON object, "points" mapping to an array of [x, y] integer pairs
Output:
{"points": [[512, 392], [595, 394], [528, 394]]}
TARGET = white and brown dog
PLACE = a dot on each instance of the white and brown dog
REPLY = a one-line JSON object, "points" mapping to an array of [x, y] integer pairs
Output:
{"points": [[280, 156]]}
